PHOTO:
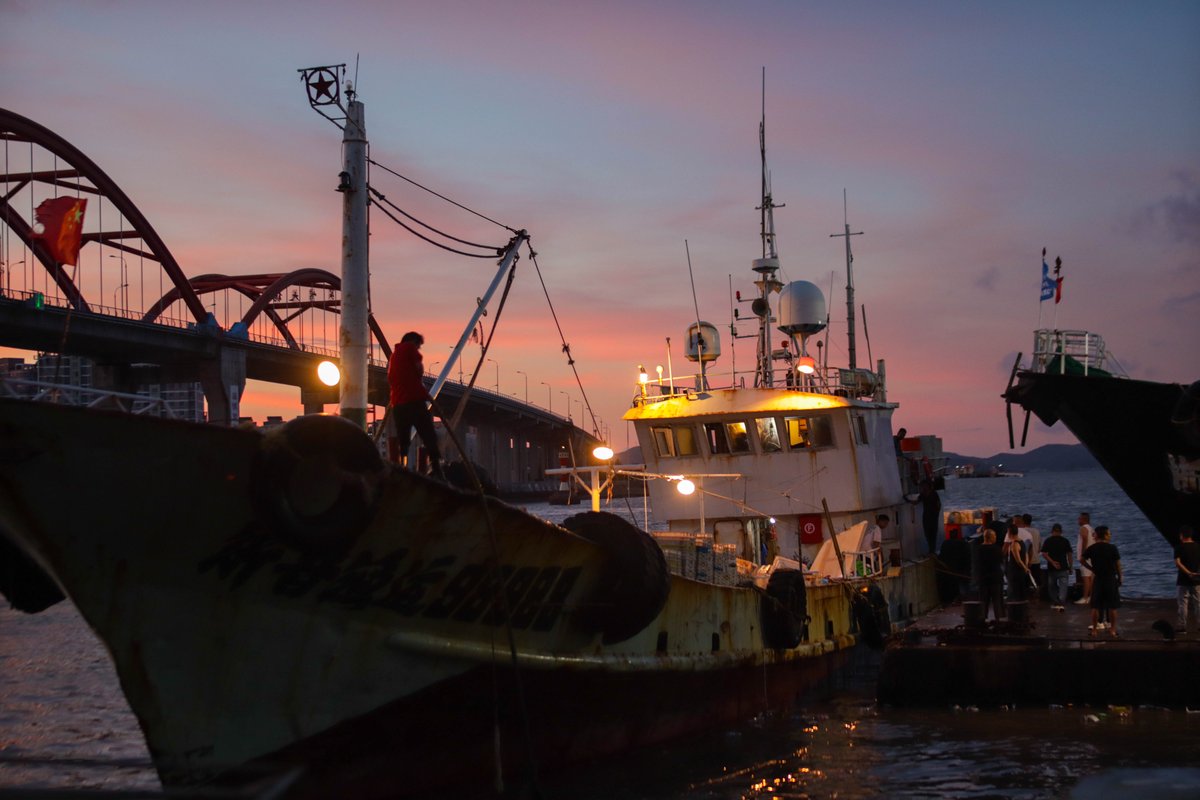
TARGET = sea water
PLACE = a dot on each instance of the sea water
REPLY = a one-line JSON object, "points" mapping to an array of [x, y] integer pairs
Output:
{"points": [[65, 723]]}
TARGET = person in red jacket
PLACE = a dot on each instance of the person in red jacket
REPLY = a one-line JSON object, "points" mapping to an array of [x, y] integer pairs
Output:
{"points": [[409, 400]]}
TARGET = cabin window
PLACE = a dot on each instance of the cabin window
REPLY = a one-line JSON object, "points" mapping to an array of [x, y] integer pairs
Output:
{"points": [[805, 432], [768, 434], [664, 442], [718, 443], [739, 437], [685, 441], [860, 429], [671, 442]]}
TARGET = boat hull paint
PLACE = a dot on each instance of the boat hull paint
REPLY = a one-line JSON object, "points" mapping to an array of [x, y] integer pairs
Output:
{"points": [[236, 642], [1127, 425]]}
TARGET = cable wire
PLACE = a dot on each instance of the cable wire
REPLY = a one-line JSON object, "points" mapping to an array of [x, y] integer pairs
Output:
{"points": [[442, 197]]}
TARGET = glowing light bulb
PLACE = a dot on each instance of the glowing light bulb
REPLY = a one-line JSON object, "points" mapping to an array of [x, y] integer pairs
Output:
{"points": [[807, 365], [603, 452], [329, 373], [685, 487]]}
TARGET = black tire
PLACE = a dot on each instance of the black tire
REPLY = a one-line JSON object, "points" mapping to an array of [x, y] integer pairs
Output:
{"points": [[316, 483], [635, 582], [784, 610]]}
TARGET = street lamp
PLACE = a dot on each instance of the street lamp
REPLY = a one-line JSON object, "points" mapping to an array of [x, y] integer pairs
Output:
{"points": [[549, 396], [124, 282], [497, 363], [522, 372], [560, 391]]}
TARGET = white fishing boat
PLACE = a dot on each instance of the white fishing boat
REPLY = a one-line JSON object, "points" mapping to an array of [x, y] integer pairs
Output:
{"points": [[372, 632]]}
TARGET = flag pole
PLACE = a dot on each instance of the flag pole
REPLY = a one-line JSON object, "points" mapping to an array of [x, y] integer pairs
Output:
{"points": [[1057, 287], [1041, 285]]}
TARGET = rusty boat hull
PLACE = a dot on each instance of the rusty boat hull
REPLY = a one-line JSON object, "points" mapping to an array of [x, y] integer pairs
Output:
{"points": [[289, 601]]}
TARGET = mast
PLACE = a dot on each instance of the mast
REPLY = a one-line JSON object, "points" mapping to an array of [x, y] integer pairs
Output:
{"points": [[354, 334], [768, 265], [849, 279]]}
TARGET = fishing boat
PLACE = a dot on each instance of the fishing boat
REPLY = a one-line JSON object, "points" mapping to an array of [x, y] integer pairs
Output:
{"points": [[367, 631], [1145, 434]]}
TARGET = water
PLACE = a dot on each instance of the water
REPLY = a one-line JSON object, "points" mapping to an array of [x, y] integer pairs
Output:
{"points": [[60, 701]]}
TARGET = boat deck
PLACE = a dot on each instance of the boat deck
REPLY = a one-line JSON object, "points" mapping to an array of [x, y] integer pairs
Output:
{"points": [[1051, 659]]}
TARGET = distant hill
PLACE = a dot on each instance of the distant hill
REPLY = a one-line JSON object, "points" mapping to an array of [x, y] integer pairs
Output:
{"points": [[1047, 458]]}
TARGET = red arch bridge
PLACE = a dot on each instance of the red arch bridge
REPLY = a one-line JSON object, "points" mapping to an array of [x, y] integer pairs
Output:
{"points": [[129, 308]]}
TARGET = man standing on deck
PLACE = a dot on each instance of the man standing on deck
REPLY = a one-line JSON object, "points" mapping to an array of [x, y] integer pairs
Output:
{"points": [[1032, 538], [1103, 559], [1086, 538], [1187, 583], [1056, 551], [408, 396]]}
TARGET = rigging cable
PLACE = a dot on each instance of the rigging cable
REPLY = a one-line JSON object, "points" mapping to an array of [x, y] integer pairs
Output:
{"points": [[566, 348], [441, 196], [419, 235]]}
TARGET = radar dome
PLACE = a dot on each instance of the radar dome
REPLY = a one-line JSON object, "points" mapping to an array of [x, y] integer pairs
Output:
{"points": [[801, 309], [706, 346]]}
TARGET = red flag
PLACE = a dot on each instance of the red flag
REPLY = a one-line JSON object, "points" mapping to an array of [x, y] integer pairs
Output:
{"points": [[61, 219], [1058, 290]]}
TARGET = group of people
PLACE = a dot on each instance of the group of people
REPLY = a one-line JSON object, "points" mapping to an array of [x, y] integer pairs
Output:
{"points": [[1010, 559]]}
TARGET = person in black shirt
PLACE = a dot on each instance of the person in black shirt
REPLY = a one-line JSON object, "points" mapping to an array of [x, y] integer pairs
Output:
{"points": [[1103, 559], [1187, 582], [1056, 551], [955, 580]]}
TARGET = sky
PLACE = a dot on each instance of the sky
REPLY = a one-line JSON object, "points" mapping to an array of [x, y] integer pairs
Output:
{"points": [[965, 137]]}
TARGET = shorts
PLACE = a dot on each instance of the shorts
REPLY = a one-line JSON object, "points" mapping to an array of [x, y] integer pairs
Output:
{"points": [[1106, 593]]}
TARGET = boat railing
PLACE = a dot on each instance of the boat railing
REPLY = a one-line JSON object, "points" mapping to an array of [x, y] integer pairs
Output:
{"points": [[66, 394], [836, 381], [1073, 353]]}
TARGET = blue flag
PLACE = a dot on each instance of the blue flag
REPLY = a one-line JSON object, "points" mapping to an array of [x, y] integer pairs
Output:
{"points": [[1047, 282]]}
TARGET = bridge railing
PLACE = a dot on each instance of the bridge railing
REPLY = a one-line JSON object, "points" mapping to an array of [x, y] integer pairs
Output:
{"points": [[65, 394]]}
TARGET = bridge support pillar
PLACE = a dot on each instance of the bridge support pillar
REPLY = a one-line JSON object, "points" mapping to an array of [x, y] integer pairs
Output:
{"points": [[223, 380], [314, 399]]}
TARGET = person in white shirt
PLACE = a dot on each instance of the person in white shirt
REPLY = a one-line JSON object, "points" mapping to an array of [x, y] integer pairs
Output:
{"points": [[1087, 537]]}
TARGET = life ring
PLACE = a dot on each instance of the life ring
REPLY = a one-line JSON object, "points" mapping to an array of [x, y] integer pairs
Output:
{"points": [[635, 581], [316, 481], [870, 611], [784, 612]]}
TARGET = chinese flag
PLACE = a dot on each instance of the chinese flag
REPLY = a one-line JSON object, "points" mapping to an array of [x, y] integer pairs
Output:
{"points": [[61, 219]]}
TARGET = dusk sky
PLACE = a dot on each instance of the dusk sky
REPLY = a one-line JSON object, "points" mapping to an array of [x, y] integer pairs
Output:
{"points": [[967, 137]]}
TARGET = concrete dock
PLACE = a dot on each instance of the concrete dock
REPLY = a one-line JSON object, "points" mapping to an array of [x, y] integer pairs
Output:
{"points": [[1042, 657]]}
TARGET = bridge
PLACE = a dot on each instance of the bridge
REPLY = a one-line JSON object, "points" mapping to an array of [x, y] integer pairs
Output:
{"points": [[129, 307]]}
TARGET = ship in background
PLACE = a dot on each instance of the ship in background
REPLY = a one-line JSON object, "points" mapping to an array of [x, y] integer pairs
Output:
{"points": [[1145, 434]]}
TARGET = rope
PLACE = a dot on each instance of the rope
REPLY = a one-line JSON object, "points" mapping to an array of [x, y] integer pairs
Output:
{"points": [[502, 600], [423, 237], [442, 197], [566, 348]]}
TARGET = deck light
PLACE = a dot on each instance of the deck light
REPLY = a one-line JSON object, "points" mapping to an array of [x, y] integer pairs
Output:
{"points": [[329, 373], [806, 364], [643, 377], [603, 452], [685, 487]]}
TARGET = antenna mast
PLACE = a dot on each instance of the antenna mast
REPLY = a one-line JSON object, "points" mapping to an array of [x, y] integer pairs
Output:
{"points": [[849, 278], [768, 265]]}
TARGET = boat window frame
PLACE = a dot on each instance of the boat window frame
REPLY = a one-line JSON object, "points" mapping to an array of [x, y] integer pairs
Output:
{"points": [[675, 435], [716, 427], [813, 423], [763, 439], [858, 424], [739, 441]]}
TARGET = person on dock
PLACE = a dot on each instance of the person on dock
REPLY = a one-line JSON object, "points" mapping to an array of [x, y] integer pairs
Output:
{"points": [[409, 399], [955, 578], [1032, 538], [1104, 560], [1086, 537], [1016, 566], [1056, 551], [1187, 581], [991, 576], [931, 512]]}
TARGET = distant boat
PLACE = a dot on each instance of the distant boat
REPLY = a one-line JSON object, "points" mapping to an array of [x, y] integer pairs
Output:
{"points": [[970, 471], [1146, 435]]}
